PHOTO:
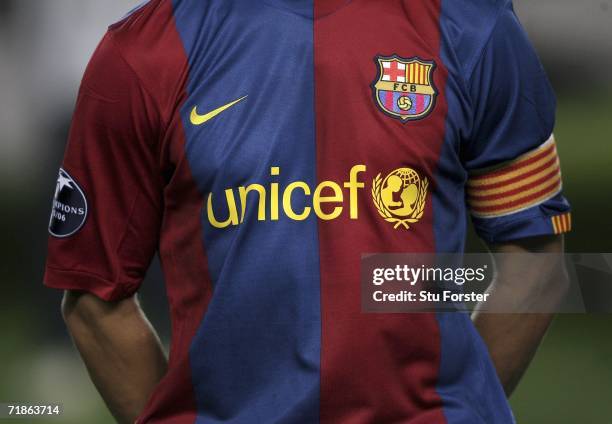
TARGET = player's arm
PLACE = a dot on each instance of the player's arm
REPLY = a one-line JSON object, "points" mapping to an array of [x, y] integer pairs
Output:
{"points": [[524, 281], [105, 225], [120, 349], [514, 192]]}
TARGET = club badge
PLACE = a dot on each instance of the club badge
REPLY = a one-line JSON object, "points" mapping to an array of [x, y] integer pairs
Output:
{"points": [[404, 88]]}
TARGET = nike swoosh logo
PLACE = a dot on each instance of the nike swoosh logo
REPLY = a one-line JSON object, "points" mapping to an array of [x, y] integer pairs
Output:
{"points": [[197, 119]]}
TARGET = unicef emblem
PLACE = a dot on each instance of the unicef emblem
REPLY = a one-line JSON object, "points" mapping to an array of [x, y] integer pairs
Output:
{"points": [[400, 197]]}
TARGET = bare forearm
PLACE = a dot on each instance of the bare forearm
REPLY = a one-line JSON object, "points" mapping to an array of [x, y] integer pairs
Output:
{"points": [[120, 349], [529, 287], [513, 340]]}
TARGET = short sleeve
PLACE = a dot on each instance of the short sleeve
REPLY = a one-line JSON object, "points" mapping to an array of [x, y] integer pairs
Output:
{"points": [[514, 188], [106, 211]]}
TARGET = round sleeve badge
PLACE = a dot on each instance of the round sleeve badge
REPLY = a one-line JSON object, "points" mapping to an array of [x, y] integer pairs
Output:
{"points": [[69, 209]]}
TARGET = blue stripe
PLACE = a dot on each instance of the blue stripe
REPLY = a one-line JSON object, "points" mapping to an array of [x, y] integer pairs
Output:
{"points": [[426, 101], [381, 96], [256, 355], [467, 382]]}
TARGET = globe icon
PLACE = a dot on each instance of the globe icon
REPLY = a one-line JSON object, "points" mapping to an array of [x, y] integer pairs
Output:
{"points": [[408, 176]]}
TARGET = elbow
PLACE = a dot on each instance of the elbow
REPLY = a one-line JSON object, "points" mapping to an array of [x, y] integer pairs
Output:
{"points": [[81, 308], [86, 309], [71, 308]]}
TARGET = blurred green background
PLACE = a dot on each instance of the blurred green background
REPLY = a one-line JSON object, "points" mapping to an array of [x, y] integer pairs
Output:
{"points": [[44, 47], [570, 380]]}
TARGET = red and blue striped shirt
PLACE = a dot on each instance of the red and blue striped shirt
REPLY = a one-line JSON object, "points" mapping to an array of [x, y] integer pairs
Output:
{"points": [[261, 147]]}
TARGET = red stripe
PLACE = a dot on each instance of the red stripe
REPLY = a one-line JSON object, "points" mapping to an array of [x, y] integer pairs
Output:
{"points": [[519, 177], [515, 165], [419, 103], [564, 220], [519, 202], [188, 283], [389, 100], [540, 181], [567, 222], [375, 368]]}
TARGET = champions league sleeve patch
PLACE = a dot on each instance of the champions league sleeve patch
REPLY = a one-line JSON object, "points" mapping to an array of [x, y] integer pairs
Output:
{"points": [[69, 209]]}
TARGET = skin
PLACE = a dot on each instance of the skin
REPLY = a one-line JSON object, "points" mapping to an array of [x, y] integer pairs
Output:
{"points": [[523, 286], [125, 359], [120, 348]]}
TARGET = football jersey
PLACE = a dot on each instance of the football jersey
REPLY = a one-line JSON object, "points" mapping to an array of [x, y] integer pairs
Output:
{"points": [[261, 147]]}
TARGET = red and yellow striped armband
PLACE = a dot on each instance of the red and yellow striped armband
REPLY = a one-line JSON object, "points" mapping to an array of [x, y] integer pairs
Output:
{"points": [[517, 185]]}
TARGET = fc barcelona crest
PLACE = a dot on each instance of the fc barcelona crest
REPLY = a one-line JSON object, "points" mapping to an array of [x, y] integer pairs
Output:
{"points": [[404, 88]]}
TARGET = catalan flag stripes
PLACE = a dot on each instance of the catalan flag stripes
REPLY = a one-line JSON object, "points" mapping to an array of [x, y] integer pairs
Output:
{"points": [[516, 185], [562, 223], [418, 73]]}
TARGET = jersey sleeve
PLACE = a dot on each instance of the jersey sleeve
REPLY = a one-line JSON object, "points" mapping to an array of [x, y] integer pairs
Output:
{"points": [[106, 208], [514, 187]]}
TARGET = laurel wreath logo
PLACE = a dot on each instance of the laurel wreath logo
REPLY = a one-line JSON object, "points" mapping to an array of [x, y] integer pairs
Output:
{"points": [[416, 215]]}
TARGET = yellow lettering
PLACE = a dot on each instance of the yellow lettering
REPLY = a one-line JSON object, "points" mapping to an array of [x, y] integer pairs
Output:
{"points": [[327, 192], [261, 208], [353, 185], [318, 200], [275, 170], [231, 205], [287, 201]]}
